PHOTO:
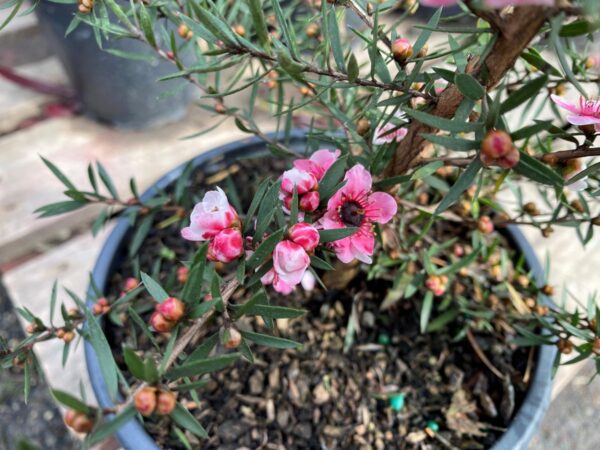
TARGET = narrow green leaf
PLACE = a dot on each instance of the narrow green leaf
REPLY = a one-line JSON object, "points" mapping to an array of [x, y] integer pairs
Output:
{"points": [[332, 32], [452, 143], [108, 367], [526, 92], [260, 24], [463, 182], [154, 288], [469, 86], [109, 428], [264, 250], [107, 180], [353, 68], [134, 363], [336, 234], [426, 311], [58, 174], [69, 401], [146, 24], [441, 123], [329, 182], [185, 419], [193, 285], [270, 341], [200, 366], [538, 171]]}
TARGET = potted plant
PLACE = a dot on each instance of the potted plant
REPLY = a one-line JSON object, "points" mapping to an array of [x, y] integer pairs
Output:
{"points": [[112, 88], [366, 287]]}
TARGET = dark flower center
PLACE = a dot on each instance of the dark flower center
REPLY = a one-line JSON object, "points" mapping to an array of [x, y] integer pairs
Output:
{"points": [[352, 214]]}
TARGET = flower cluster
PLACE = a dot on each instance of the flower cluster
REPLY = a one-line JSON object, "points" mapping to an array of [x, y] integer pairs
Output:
{"points": [[305, 176], [291, 258], [353, 205], [216, 221]]}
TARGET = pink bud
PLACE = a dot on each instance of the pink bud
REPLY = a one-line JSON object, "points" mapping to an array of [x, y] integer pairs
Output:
{"points": [[303, 181], [160, 323], [402, 49], [496, 144], [211, 216], [309, 202], [268, 277], [290, 261], [130, 284], [305, 235], [172, 309], [510, 160], [226, 246]]}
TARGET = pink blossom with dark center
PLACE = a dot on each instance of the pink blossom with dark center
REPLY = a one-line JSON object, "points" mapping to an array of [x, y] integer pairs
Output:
{"points": [[587, 112], [355, 205]]}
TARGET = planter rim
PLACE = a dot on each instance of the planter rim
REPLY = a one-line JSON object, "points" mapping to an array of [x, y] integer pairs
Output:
{"points": [[133, 436]]}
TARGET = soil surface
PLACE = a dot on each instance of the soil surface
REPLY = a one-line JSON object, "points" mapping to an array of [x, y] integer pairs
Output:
{"points": [[383, 386]]}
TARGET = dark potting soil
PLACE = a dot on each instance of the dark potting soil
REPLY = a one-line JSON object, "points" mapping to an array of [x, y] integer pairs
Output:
{"points": [[393, 387]]}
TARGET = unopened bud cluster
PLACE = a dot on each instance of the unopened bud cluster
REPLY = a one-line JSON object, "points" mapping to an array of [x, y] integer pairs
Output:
{"points": [[497, 149], [167, 314], [150, 400], [437, 284], [79, 421], [85, 6]]}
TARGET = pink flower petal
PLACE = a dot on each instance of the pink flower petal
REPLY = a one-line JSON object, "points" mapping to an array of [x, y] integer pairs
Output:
{"points": [[583, 120], [358, 182], [382, 207], [566, 105]]}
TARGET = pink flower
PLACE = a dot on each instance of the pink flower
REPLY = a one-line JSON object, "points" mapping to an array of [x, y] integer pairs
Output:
{"points": [[305, 235], [308, 281], [212, 215], [226, 246], [290, 262], [384, 134], [319, 162], [354, 205], [586, 113], [304, 181]]}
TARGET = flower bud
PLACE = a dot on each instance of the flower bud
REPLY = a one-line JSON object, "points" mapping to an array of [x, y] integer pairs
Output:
{"points": [[226, 246], [240, 30], [130, 284], [531, 209], [596, 346], [166, 401], [305, 235], [458, 250], [78, 421], [184, 32], [423, 52], [145, 401], [577, 206], [68, 336], [363, 126], [182, 274], [564, 346], [160, 323], [541, 310], [172, 309], [523, 280], [305, 91], [402, 49], [596, 221], [309, 202], [510, 160], [496, 144], [231, 338], [485, 225], [220, 108], [312, 30], [548, 290]]}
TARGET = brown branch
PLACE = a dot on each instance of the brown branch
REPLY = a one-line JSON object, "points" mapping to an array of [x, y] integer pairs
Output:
{"points": [[514, 35], [484, 359], [550, 158], [185, 339]]}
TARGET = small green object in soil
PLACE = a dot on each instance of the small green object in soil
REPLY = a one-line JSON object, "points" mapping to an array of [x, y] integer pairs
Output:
{"points": [[383, 339], [397, 402], [433, 426]]}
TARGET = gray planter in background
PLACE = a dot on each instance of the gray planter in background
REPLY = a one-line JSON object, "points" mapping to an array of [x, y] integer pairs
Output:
{"points": [[115, 90]]}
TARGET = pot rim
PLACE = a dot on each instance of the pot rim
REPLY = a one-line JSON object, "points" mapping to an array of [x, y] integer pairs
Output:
{"points": [[133, 436]]}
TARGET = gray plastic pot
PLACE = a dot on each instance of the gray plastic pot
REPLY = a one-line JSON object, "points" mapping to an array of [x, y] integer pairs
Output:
{"points": [[133, 436], [115, 90]]}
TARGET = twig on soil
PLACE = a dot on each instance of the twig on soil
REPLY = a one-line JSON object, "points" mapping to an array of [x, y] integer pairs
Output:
{"points": [[484, 359]]}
